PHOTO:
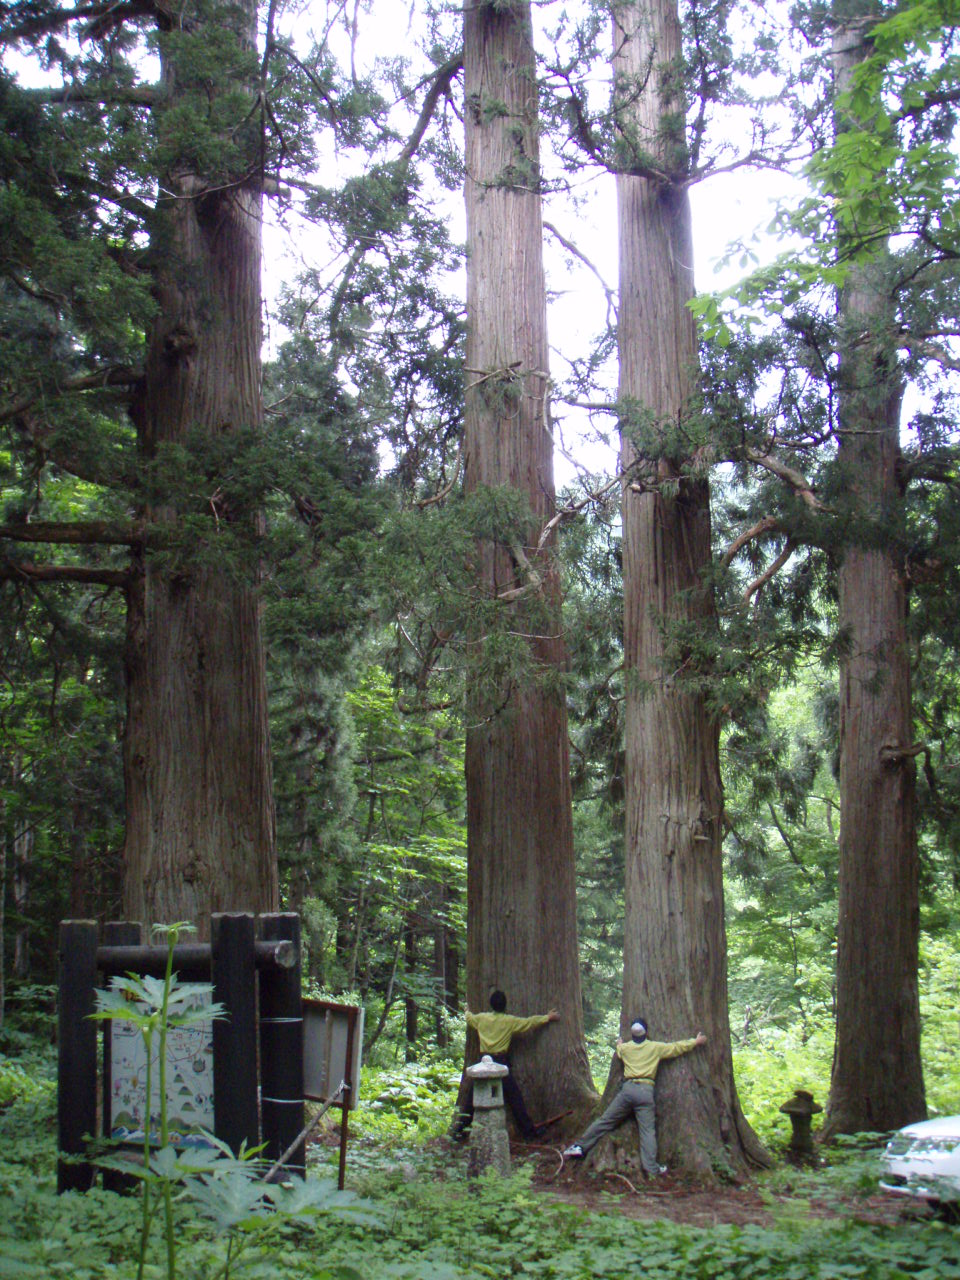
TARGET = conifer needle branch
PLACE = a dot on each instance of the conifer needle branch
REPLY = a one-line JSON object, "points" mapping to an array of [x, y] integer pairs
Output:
{"points": [[74, 534], [145, 95], [799, 483], [439, 87], [934, 351], [937, 470], [448, 488], [769, 572], [28, 572], [104, 16], [768, 524], [118, 376]]}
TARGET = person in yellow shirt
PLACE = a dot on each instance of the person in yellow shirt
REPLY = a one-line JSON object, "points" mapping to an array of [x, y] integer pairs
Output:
{"points": [[641, 1058], [496, 1030]]}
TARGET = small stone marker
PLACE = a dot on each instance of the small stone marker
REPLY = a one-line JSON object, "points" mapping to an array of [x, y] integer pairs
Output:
{"points": [[801, 1109], [489, 1146]]}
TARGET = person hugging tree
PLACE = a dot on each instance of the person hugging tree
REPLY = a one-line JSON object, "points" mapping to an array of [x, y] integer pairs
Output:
{"points": [[496, 1030], [641, 1058]]}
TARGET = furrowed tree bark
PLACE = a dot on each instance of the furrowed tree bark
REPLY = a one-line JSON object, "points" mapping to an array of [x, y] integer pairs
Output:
{"points": [[675, 948], [877, 1078], [200, 817], [521, 916]]}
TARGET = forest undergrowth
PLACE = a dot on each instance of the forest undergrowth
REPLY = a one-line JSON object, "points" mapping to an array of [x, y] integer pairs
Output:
{"points": [[411, 1212]]}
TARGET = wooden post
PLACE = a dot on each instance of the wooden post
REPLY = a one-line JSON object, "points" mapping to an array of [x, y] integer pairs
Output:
{"points": [[348, 1098], [122, 933], [77, 1051], [281, 1048], [235, 1036]]}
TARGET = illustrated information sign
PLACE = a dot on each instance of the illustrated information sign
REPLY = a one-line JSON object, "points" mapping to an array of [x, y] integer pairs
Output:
{"points": [[189, 1080]]}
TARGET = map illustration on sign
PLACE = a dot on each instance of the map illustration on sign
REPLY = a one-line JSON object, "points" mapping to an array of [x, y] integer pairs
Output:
{"points": [[189, 1081]]}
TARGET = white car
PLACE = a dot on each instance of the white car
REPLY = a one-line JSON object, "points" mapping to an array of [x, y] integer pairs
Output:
{"points": [[923, 1160]]}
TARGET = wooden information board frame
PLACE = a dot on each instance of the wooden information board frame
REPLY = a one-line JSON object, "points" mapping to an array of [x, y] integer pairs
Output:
{"points": [[332, 1056], [267, 1031]]}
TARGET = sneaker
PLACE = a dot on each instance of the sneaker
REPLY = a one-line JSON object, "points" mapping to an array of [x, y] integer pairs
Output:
{"points": [[574, 1152]]}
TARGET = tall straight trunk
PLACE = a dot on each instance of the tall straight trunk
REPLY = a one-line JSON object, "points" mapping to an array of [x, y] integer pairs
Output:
{"points": [[200, 817], [411, 1006], [675, 948], [84, 899], [23, 849], [21, 841], [521, 911], [877, 1079], [446, 967]]}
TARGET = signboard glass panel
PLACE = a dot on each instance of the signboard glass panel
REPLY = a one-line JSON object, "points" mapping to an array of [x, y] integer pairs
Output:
{"points": [[189, 1081]]}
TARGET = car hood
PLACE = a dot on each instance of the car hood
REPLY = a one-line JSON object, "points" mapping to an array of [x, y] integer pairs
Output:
{"points": [[942, 1127]]}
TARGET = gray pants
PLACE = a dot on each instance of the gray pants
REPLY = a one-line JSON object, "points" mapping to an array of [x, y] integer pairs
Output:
{"points": [[638, 1098]]}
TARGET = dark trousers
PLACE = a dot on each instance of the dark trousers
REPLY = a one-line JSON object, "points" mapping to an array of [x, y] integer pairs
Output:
{"points": [[635, 1096], [511, 1096]]}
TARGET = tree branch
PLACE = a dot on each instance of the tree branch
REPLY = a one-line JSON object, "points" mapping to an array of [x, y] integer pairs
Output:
{"points": [[891, 753], [112, 12], [439, 86], [534, 581], [577, 253], [771, 571], [28, 572], [945, 98], [448, 488], [939, 470], [933, 351], [767, 525], [134, 95], [794, 856], [794, 479], [83, 533], [118, 376]]}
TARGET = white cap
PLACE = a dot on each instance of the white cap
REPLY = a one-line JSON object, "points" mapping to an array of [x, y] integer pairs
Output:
{"points": [[638, 1028]]}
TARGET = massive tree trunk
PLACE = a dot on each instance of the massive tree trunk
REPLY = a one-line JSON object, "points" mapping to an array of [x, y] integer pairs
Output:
{"points": [[200, 819], [521, 917], [675, 948], [877, 1080]]}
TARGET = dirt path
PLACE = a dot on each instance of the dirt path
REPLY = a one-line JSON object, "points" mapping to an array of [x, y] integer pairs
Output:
{"points": [[669, 1198], [682, 1202]]}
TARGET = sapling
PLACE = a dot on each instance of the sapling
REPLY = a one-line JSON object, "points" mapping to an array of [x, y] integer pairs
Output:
{"points": [[154, 1005]]}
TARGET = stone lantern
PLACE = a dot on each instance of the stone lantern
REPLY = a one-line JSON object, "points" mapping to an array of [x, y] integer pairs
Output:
{"points": [[801, 1109], [489, 1145]]}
